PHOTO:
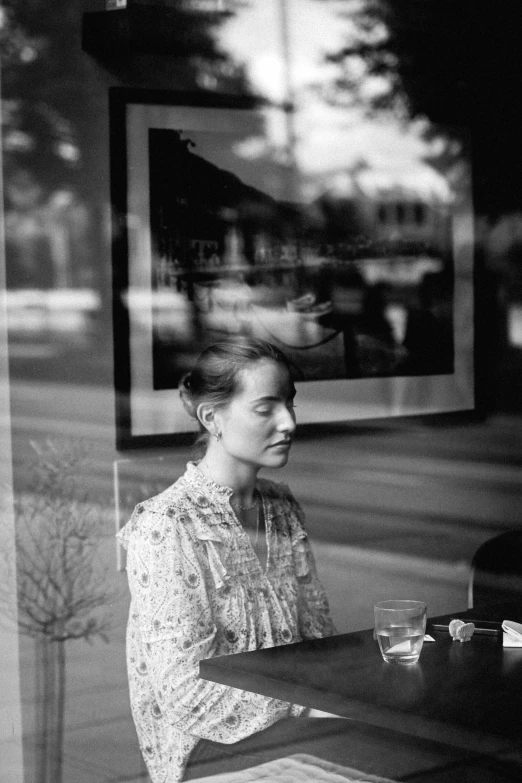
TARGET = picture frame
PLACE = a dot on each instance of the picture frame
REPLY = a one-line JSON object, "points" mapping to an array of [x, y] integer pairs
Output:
{"points": [[161, 310]]}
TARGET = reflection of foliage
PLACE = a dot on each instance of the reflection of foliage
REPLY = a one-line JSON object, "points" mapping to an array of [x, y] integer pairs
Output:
{"points": [[454, 62], [61, 589], [398, 45], [56, 94], [55, 122], [47, 87]]}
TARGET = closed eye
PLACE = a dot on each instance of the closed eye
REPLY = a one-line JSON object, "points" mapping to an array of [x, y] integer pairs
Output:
{"points": [[268, 408], [264, 411]]}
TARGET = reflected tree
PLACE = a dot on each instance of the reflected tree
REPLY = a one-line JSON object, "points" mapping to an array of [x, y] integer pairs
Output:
{"points": [[55, 116], [63, 592], [454, 63]]}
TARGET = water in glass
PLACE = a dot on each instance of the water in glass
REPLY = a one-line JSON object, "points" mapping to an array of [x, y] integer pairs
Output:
{"points": [[400, 644]]}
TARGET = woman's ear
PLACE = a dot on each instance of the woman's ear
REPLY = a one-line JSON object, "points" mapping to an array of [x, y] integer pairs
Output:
{"points": [[205, 414]]}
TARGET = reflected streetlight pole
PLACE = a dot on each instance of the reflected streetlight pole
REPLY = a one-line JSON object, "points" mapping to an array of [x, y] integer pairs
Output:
{"points": [[289, 97]]}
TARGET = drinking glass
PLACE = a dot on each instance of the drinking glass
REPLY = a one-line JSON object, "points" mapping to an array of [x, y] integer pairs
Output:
{"points": [[400, 627]]}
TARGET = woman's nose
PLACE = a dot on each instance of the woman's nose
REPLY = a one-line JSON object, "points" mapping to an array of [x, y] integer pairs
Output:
{"points": [[286, 421]]}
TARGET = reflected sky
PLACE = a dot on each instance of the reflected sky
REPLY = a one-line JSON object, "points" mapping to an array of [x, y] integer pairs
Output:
{"points": [[328, 136]]}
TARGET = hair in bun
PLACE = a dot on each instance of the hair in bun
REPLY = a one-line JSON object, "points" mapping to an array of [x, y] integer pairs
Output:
{"points": [[186, 396]]}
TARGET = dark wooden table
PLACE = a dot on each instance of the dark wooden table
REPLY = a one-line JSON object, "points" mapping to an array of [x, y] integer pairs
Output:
{"points": [[465, 695]]}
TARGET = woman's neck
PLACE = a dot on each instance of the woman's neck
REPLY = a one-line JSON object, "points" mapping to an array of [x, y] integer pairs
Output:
{"points": [[226, 471]]}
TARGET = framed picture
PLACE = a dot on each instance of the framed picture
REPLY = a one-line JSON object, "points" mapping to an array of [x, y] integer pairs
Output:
{"points": [[216, 233]]}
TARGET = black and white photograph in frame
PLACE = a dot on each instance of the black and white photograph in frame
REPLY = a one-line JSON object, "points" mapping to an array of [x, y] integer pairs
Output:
{"points": [[368, 291]]}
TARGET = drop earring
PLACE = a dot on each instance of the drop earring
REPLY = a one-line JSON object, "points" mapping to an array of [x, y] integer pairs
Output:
{"points": [[217, 436]]}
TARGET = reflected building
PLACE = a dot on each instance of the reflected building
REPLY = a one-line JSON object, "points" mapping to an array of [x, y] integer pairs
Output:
{"points": [[346, 269]]}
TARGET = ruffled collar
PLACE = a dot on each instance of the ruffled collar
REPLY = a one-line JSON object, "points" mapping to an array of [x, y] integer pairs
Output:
{"points": [[204, 483]]}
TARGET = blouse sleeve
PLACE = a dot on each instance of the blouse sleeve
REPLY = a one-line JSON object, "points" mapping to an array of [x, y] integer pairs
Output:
{"points": [[173, 614], [315, 620]]}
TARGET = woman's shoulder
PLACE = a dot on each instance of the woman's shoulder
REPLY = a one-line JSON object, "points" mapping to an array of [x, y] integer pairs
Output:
{"points": [[164, 515], [171, 500]]}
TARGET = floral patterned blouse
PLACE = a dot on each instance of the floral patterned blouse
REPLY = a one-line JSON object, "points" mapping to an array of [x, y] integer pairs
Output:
{"points": [[199, 590]]}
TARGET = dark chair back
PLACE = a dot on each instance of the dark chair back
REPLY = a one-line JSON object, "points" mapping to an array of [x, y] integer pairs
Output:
{"points": [[496, 570]]}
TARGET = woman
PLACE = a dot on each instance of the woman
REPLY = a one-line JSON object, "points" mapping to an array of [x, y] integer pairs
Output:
{"points": [[219, 563]]}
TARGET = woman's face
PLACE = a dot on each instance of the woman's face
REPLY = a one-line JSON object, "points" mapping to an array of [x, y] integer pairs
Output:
{"points": [[258, 423]]}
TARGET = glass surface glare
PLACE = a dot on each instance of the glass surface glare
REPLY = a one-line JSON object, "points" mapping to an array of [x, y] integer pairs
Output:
{"points": [[371, 493]]}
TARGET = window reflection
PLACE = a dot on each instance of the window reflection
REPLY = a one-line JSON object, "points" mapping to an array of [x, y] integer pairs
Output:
{"points": [[361, 185]]}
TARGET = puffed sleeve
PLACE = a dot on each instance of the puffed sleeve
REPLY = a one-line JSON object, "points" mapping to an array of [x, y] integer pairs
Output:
{"points": [[314, 616], [173, 613]]}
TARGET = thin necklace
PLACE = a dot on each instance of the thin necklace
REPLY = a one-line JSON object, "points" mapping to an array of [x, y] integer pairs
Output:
{"points": [[247, 508], [237, 507]]}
